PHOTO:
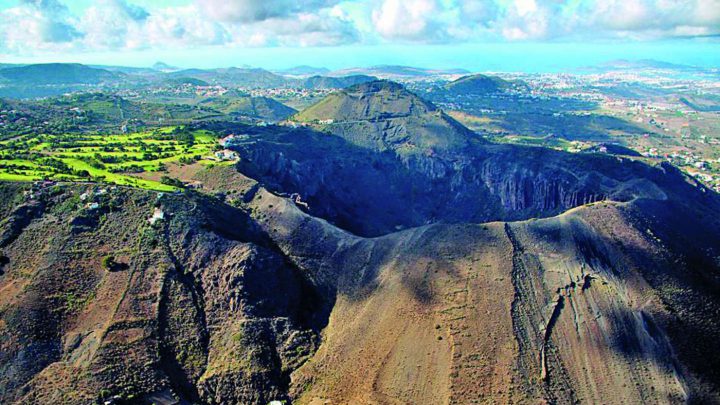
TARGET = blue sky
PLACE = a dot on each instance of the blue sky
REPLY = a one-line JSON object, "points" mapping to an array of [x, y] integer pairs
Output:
{"points": [[517, 35]]}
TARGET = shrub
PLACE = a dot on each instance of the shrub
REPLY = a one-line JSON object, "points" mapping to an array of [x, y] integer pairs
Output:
{"points": [[171, 181], [108, 262]]}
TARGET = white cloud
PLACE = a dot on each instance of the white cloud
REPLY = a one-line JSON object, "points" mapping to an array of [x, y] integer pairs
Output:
{"points": [[436, 20], [180, 26], [650, 19], [48, 25], [116, 24], [281, 22], [305, 29], [258, 10], [107, 25], [37, 24], [407, 19], [525, 7]]}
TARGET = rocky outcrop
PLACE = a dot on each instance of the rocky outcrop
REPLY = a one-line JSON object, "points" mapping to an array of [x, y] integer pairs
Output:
{"points": [[260, 301], [373, 192], [296, 282], [556, 310], [383, 159], [204, 307]]}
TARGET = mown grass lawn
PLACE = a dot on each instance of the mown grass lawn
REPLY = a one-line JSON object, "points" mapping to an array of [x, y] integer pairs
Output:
{"points": [[18, 177], [115, 158]]}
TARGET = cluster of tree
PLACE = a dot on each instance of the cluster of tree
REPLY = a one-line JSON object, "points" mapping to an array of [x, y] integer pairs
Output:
{"points": [[93, 161], [110, 263], [100, 161], [21, 118], [183, 135], [10, 167], [17, 168], [128, 169], [171, 182], [58, 166], [22, 154], [188, 160]]}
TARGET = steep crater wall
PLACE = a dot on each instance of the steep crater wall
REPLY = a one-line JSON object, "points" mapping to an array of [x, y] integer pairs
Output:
{"points": [[374, 192], [199, 306]]}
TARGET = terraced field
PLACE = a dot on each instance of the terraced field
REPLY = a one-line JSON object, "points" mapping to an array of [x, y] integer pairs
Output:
{"points": [[118, 158]]}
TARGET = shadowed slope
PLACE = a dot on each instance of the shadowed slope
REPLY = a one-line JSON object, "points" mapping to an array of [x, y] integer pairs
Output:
{"points": [[561, 309], [251, 296], [189, 309]]}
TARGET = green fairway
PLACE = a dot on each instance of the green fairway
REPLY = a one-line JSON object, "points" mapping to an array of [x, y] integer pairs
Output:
{"points": [[115, 158], [18, 177]]}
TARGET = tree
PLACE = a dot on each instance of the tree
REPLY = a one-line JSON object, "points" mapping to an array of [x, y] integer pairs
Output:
{"points": [[108, 262], [167, 180], [184, 136]]}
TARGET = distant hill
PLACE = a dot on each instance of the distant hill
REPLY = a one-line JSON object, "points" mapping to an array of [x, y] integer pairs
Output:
{"points": [[398, 72], [612, 149], [643, 64], [187, 80], [384, 115], [650, 66], [374, 100], [47, 80], [242, 77], [264, 108], [325, 82], [57, 74], [93, 111], [482, 84], [190, 72], [705, 103], [261, 78], [136, 71], [164, 67], [108, 109], [303, 70], [9, 65]]}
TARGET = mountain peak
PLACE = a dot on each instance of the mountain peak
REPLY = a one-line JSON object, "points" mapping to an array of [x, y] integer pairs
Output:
{"points": [[164, 67], [374, 100], [57, 74], [304, 70], [383, 115], [375, 86], [482, 84]]}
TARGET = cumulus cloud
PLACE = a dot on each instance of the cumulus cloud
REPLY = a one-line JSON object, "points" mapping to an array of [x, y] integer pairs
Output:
{"points": [[37, 24], [108, 23], [128, 10], [281, 22], [114, 24], [659, 18], [408, 19], [304, 29], [258, 10], [122, 24], [180, 26], [438, 20]]}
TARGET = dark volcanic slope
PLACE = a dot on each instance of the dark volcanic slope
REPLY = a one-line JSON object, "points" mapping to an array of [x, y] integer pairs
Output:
{"points": [[482, 84], [326, 82], [382, 115], [408, 164], [57, 73], [255, 107], [613, 302], [611, 298], [190, 308]]}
